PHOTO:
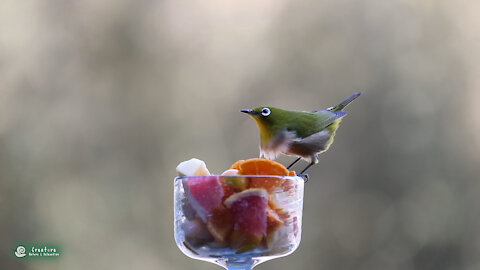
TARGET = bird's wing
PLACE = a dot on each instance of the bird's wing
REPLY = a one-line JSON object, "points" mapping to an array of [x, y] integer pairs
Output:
{"points": [[327, 117], [316, 142], [310, 146], [305, 124]]}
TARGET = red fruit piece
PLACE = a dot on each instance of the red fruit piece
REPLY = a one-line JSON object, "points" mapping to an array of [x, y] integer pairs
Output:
{"points": [[204, 194], [220, 224], [232, 184], [227, 190], [249, 209]]}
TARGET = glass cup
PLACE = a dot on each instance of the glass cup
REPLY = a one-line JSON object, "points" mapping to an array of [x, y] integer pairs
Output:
{"points": [[239, 221]]}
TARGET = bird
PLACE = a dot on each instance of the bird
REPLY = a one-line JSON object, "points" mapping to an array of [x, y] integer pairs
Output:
{"points": [[304, 134]]}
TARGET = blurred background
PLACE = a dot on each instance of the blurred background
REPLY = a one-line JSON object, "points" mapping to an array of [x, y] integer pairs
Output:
{"points": [[100, 100]]}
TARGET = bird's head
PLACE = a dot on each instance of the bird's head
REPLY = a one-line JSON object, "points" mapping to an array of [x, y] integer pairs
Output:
{"points": [[265, 116], [268, 120]]}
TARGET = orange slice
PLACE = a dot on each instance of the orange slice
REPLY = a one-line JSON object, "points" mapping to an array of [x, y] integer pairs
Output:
{"points": [[273, 221], [260, 166], [237, 164], [244, 241]]}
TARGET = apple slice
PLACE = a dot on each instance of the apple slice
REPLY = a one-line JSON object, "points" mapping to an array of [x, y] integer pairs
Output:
{"points": [[192, 167], [239, 183], [230, 172], [232, 182], [228, 189]]}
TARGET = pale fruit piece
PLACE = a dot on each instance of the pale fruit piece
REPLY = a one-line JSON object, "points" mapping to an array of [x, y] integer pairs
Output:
{"points": [[280, 237], [234, 180], [192, 167], [196, 232], [230, 172], [239, 183], [204, 193], [233, 183]]}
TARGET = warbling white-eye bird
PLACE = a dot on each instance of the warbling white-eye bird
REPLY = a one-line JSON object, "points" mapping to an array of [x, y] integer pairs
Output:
{"points": [[299, 133]]}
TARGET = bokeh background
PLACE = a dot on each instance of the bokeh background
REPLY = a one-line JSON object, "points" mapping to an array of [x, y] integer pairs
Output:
{"points": [[99, 101]]}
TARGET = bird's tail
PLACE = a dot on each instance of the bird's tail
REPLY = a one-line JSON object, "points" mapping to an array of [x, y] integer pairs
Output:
{"points": [[344, 103]]}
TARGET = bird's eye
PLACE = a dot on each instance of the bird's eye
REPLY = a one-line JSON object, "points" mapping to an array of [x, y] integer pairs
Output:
{"points": [[266, 111]]}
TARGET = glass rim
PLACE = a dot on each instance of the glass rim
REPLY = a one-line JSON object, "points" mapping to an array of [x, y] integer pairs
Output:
{"points": [[304, 177]]}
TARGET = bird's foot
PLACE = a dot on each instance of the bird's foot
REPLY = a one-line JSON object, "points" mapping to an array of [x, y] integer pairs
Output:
{"points": [[305, 177]]}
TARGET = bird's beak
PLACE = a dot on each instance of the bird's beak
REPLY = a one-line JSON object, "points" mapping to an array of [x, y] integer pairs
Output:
{"points": [[251, 112]]}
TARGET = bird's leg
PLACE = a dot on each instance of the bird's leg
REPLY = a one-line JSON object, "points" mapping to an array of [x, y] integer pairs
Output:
{"points": [[289, 166], [304, 176], [306, 168]]}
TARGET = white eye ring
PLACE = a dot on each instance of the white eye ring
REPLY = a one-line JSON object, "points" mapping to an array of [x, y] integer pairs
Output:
{"points": [[266, 111]]}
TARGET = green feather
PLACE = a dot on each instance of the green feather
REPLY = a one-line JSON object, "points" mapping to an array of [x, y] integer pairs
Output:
{"points": [[302, 122]]}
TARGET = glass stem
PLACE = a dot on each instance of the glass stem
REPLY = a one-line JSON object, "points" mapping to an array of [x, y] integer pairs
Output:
{"points": [[239, 267], [239, 264]]}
